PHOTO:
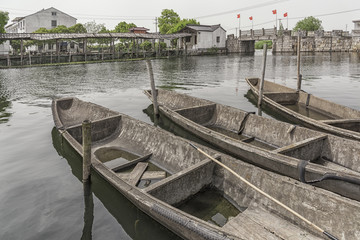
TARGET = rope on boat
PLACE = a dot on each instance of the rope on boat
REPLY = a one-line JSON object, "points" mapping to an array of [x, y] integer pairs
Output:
{"points": [[242, 125], [330, 236], [327, 176]]}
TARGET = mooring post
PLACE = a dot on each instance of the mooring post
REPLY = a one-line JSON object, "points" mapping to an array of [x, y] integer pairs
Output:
{"points": [[85, 49], [86, 142], [261, 86], [21, 51], [153, 89], [8, 60], [299, 76]]}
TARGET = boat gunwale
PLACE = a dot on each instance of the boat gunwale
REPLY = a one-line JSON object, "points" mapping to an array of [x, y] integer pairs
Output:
{"points": [[315, 124]]}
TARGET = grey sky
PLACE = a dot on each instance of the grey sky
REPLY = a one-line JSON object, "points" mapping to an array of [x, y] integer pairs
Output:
{"points": [[143, 12]]}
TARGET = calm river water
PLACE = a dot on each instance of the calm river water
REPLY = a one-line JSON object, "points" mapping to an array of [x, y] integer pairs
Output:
{"points": [[41, 196]]}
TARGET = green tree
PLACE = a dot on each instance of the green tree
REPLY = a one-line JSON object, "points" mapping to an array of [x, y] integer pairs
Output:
{"points": [[308, 24], [123, 27], [4, 18], [77, 28], [168, 20], [181, 24]]}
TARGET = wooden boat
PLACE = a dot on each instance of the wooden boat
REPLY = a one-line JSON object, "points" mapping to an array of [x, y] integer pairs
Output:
{"points": [[117, 137], [308, 110], [293, 151]]}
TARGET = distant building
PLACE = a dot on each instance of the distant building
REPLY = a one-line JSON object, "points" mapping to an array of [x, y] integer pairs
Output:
{"points": [[138, 30], [46, 18], [356, 31], [205, 37]]}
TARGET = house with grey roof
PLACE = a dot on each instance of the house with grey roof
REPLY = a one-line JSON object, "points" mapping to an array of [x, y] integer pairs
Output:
{"points": [[46, 18], [204, 37]]}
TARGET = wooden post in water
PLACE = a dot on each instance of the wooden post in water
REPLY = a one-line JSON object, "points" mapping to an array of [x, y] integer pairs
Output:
{"points": [[21, 52], [29, 58], [86, 143], [261, 86], [299, 76], [8, 60], [153, 89], [85, 49]]}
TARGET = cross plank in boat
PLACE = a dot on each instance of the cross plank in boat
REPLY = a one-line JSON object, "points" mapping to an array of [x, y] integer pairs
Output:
{"points": [[148, 175], [301, 144], [136, 174], [130, 163]]}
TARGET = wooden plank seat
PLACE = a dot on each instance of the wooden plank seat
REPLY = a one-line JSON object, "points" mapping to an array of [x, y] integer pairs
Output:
{"points": [[308, 149], [137, 172], [118, 164], [148, 175]]}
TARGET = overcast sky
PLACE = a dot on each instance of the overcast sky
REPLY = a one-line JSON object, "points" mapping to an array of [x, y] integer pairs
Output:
{"points": [[334, 14]]}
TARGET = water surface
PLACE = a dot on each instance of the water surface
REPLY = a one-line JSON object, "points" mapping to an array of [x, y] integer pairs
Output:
{"points": [[41, 196]]}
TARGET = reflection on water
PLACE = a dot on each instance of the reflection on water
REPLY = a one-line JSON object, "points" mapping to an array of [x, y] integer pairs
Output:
{"points": [[5, 105]]}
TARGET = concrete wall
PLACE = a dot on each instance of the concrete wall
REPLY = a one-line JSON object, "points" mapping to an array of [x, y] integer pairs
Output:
{"points": [[318, 41], [235, 45]]}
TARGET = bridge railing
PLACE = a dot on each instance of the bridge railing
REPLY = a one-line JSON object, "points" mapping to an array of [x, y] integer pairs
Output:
{"points": [[257, 33]]}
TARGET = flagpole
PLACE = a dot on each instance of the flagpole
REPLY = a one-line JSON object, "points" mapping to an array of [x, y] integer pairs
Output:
{"points": [[287, 22], [276, 21]]}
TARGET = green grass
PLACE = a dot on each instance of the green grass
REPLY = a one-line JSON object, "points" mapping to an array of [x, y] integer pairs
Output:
{"points": [[260, 44]]}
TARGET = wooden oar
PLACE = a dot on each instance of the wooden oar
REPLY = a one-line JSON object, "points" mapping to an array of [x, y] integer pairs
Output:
{"points": [[265, 194]]}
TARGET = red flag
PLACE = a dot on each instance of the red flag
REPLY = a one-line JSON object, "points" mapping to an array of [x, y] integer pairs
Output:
{"points": [[238, 16], [251, 18], [274, 11], [285, 14]]}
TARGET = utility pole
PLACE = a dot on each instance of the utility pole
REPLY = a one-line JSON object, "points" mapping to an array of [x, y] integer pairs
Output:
{"points": [[156, 24]]}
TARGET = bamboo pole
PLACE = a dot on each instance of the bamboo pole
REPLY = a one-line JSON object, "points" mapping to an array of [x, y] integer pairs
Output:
{"points": [[86, 143], [265, 194], [153, 89], [299, 76], [261, 86]]}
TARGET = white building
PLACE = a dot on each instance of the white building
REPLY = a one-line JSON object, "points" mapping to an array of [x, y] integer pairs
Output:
{"points": [[45, 18], [205, 37]]}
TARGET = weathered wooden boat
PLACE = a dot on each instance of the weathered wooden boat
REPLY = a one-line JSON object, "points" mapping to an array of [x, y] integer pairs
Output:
{"points": [[122, 146], [327, 161], [310, 111]]}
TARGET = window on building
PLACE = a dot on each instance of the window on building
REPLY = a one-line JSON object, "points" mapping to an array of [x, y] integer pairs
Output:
{"points": [[53, 23], [187, 39], [53, 13], [217, 39]]}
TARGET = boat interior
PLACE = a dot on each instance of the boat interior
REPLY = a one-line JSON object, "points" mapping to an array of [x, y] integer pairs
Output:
{"points": [[268, 134], [311, 106]]}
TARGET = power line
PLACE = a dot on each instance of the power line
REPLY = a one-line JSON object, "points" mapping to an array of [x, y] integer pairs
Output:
{"points": [[243, 9]]}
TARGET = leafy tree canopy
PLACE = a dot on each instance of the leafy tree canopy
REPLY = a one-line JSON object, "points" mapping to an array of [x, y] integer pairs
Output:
{"points": [[170, 22], [124, 27], [181, 24], [167, 20], [4, 18], [308, 24]]}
